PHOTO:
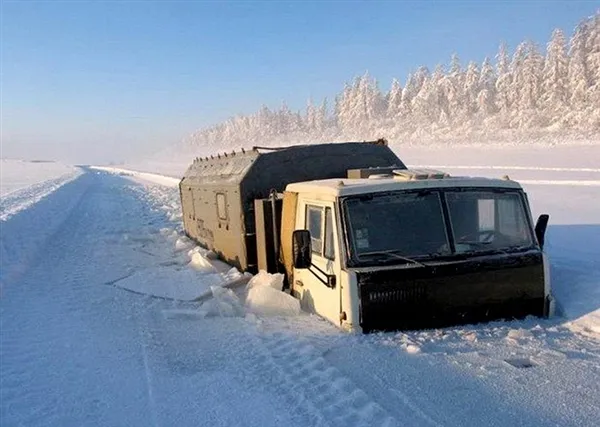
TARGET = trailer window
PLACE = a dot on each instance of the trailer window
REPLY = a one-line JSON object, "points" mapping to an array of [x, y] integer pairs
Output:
{"points": [[314, 224], [221, 206]]}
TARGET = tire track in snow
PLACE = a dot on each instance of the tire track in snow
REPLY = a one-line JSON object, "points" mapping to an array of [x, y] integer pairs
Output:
{"points": [[69, 346], [149, 383], [314, 388]]}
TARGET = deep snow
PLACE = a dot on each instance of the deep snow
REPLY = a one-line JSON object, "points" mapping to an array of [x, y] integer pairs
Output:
{"points": [[23, 183], [95, 329]]}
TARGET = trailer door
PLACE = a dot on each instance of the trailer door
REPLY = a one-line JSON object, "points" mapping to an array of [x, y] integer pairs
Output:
{"points": [[318, 287]]}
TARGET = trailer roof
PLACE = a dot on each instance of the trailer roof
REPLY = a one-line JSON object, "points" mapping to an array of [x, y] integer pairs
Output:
{"points": [[273, 168], [346, 187]]}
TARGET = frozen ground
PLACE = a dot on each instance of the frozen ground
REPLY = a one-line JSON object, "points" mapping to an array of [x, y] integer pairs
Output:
{"points": [[23, 183], [99, 326]]}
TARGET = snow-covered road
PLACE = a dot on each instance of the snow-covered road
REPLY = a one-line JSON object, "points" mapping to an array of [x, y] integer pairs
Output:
{"points": [[77, 349]]}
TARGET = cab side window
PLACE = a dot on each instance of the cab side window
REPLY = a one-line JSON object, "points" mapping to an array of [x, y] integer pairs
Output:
{"points": [[314, 224], [329, 250], [319, 221]]}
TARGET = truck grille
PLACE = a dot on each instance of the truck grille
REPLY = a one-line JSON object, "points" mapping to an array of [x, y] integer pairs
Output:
{"points": [[396, 296]]}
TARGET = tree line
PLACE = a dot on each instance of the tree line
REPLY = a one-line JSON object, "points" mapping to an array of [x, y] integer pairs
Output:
{"points": [[527, 93]]}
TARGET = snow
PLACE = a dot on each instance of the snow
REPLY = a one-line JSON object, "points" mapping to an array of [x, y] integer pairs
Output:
{"points": [[265, 296], [111, 316], [23, 183], [167, 181]]}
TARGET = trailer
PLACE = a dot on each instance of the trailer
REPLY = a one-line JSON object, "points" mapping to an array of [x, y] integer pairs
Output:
{"points": [[365, 242]]}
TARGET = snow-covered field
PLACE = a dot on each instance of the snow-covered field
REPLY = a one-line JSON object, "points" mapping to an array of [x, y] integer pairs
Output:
{"points": [[23, 183], [106, 321]]}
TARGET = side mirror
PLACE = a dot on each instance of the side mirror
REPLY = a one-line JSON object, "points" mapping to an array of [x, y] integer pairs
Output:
{"points": [[540, 228], [301, 249]]}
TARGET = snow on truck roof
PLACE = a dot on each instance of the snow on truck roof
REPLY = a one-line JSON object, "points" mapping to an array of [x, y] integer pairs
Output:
{"points": [[374, 184]]}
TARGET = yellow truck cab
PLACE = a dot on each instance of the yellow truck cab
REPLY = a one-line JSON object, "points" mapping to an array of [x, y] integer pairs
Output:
{"points": [[414, 249], [367, 243]]}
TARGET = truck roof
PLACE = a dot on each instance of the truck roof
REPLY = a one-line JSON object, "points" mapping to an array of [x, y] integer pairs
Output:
{"points": [[346, 187]]}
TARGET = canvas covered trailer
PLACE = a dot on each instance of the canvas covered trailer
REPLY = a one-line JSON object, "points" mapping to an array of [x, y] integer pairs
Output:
{"points": [[223, 197]]}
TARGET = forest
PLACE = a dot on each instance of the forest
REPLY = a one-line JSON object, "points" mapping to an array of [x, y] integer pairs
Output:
{"points": [[526, 95]]}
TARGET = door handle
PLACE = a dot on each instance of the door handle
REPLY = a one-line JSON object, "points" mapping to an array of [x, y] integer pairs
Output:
{"points": [[298, 283]]}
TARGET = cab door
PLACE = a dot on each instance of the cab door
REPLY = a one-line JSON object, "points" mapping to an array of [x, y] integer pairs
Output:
{"points": [[318, 287]]}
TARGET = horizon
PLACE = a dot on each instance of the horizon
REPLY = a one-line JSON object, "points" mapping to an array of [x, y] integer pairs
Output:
{"points": [[108, 82]]}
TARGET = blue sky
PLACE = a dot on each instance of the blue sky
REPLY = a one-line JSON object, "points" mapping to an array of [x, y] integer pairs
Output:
{"points": [[90, 81]]}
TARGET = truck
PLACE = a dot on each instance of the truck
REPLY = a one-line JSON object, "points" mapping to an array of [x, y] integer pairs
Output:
{"points": [[367, 243]]}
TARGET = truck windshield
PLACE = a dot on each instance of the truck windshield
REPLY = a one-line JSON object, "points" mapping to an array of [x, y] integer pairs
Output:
{"points": [[404, 224], [488, 220], [408, 227]]}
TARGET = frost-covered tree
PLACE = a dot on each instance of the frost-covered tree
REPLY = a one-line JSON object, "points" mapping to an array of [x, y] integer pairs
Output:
{"points": [[453, 84], [310, 119], [408, 94], [593, 65], [394, 100], [531, 77], [431, 101], [471, 89], [374, 101], [486, 98], [555, 74], [578, 74], [504, 81], [524, 89], [343, 108], [322, 120], [419, 78]]}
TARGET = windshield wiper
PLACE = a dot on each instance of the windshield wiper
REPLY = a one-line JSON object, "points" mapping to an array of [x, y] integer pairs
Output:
{"points": [[392, 253], [481, 249], [473, 243]]}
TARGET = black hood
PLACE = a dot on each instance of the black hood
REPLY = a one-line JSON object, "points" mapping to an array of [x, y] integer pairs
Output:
{"points": [[507, 286]]}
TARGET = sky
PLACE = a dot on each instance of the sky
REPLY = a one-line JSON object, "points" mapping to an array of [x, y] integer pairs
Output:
{"points": [[96, 82]]}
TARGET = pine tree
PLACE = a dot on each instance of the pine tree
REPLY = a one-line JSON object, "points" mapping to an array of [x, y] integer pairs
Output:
{"points": [[555, 74], [471, 89], [373, 99], [453, 84], [578, 74], [322, 118], [310, 120], [593, 64], [408, 94], [486, 98], [344, 107], [504, 80], [394, 100]]}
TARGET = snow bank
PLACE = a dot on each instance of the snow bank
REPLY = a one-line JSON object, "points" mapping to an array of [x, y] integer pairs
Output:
{"points": [[22, 184], [146, 177], [224, 303], [201, 263], [193, 280], [17, 175], [265, 296]]}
